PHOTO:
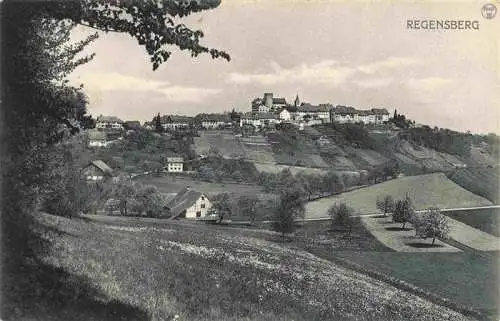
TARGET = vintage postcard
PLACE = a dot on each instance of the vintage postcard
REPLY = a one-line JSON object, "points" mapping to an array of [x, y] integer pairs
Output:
{"points": [[250, 160]]}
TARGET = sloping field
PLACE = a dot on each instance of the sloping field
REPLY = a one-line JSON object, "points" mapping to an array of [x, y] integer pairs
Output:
{"points": [[275, 168], [257, 148], [427, 157], [223, 141], [203, 273], [450, 275], [370, 156], [169, 184], [472, 237], [390, 234], [254, 148], [486, 220], [480, 180], [425, 191]]}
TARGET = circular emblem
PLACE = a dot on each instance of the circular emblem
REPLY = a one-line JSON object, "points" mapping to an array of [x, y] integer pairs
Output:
{"points": [[489, 11]]}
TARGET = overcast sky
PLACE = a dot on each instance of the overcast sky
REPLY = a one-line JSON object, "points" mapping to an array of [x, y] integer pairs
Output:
{"points": [[355, 54]]}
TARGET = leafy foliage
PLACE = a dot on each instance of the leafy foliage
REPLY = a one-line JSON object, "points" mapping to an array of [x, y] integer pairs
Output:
{"points": [[291, 207], [403, 211], [341, 216], [349, 134], [247, 205], [433, 224], [442, 140], [221, 206]]}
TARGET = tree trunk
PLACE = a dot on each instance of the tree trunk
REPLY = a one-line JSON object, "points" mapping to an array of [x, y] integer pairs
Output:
{"points": [[404, 223], [433, 239], [283, 235]]}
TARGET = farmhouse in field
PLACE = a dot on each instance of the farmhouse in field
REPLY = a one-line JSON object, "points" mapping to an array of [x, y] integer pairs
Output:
{"points": [[189, 203], [109, 122], [175, 164], [97, 171]]}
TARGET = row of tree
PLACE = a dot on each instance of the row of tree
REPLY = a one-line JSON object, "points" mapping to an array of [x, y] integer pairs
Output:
{"points": [[430, 224]]}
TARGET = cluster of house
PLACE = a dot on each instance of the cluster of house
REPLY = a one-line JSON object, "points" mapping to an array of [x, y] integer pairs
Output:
{"points": [[187, 203], [271, 110], [200, 121]]}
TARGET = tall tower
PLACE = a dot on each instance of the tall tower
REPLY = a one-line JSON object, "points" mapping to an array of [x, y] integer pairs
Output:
{"points": [[268, 100], [297, 101]]}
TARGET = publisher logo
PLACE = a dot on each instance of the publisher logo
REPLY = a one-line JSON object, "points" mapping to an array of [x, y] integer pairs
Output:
{"points": [[489, 11]]}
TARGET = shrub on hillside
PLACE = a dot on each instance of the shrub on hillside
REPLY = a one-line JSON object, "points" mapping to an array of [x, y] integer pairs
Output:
{"points": [[341, 216]]}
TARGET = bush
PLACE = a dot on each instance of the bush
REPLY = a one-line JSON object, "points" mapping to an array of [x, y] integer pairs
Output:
{"points": [[341, 216]]}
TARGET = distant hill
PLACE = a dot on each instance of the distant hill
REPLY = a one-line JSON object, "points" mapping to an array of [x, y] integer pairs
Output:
{"points": [[466, 159]]}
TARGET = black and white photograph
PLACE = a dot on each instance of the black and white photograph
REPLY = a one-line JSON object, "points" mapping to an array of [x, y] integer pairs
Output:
{"points": [[254, 160]]}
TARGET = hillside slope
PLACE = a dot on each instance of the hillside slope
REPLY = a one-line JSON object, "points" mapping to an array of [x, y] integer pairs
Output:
{"points": [[203, 273], [425, 191]]}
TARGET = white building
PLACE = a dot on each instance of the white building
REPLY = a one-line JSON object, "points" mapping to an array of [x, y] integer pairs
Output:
{"points": [[189, 203], [342, 114], [259, 120], [97, 138], [175, 164], [109, 122], [285, 115], [175, 122], [312, 112], [214, 121]]}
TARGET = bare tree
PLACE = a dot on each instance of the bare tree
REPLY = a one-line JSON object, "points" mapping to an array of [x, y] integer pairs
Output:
{"points": [[385, 204]]}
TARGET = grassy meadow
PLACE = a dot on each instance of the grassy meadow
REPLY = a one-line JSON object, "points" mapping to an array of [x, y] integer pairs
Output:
{"points": [[486, 220], [187, 271], [464, 278], [425, 191]]}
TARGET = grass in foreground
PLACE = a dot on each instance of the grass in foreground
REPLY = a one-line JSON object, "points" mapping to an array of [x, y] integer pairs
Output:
{"points": [[205, 273], [465, 278]]}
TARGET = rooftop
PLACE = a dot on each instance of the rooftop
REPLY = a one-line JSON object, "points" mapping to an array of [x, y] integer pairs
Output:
{"points": [[109, 119], [102, 166], [182, 201]]}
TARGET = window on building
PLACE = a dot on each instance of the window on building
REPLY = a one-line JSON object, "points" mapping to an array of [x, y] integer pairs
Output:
{"points": [[203, 198], [202, 205], [198, 214]]}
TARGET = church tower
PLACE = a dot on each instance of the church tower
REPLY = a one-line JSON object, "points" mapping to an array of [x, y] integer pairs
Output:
{"points": [[297, 101]]}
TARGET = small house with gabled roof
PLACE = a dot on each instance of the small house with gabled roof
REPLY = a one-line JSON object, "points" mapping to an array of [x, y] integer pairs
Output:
{"points": [[189, 203], [97, 171]]}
